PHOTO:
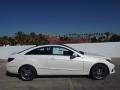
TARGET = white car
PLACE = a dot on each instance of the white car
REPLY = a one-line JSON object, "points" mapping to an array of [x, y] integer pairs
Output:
{"points": [[58, 60]]}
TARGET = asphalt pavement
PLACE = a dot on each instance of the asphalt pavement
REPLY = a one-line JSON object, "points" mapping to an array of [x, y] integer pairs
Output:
{"points": [[112, 82]]}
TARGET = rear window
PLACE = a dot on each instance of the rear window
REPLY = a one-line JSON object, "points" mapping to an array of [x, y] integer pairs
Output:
{"points": [[40, 51]]}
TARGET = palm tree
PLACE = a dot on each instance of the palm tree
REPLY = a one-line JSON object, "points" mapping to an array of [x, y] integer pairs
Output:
{"points": [[89, 36], [19, 36], [33, 34], [107, 35]]}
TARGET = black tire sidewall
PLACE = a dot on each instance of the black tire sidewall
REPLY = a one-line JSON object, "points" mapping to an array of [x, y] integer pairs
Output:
{"points": [[94, 67], [31, 78]]}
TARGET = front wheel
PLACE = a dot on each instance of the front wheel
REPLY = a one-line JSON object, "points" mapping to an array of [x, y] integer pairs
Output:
{"points": [[27, 73], [99, 71]]}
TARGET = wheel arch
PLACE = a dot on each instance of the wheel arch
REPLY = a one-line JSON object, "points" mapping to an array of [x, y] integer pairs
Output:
{"points": [[97, 64], [27, 65]]}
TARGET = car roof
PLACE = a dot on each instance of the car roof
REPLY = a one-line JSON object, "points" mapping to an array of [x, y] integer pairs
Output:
{"points": [[51, 45], [33, 47]]}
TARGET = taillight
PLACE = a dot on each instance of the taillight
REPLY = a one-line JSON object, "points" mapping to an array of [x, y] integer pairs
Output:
{"points": [[10, 59]]}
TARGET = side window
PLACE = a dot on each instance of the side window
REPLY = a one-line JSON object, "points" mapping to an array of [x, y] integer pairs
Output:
{"points": [[61, 51], [40, 51]]}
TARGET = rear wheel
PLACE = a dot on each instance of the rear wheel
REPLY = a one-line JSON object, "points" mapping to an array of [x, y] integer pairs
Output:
{"points": [[27, 73], [99, 71]]}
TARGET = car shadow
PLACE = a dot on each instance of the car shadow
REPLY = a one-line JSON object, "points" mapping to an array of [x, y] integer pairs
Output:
{"points": [[63, 76], [11, 75], [52, 76]]}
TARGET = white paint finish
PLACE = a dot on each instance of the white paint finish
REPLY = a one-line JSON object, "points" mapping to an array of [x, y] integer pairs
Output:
{"points": [[64, 63], [110, 49], [57, 64]]}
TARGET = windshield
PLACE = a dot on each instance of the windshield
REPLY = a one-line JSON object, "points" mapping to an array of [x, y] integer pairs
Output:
{"points": [[81, 52]]}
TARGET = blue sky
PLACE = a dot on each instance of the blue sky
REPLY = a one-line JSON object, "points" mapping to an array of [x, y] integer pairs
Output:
{"points": [[59, 16]]}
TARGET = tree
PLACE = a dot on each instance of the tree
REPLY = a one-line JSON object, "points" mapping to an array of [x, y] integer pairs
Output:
{"points": [[107, 35], [89, 36], [11, 41], [115, 38], [94, 39], [19, 36], [5, 40]]}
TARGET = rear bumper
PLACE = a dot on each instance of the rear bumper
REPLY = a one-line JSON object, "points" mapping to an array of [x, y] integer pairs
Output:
{"points": [[12, 69]]}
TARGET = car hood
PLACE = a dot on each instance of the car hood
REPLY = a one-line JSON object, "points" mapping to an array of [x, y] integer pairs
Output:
{"points": [[93, 55]]}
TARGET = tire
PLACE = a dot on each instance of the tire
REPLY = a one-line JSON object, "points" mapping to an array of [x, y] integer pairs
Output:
{"points": [[27, 73], [99, 71]]}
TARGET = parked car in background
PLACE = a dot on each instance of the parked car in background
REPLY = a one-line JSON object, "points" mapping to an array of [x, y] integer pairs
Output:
{"points": [[58, 60]]}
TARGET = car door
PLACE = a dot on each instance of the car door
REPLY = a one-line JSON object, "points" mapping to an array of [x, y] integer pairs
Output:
{"points": [[61, 63]]}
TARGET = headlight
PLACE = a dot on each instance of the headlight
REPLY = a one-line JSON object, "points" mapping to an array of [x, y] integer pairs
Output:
{"points": [[109, 60]]}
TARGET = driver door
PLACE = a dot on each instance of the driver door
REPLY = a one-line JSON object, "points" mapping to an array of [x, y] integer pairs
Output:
{"points": [[61, 63]]}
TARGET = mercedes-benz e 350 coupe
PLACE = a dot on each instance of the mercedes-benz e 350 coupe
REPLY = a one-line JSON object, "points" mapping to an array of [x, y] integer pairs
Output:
{"points": [[58, 60]]}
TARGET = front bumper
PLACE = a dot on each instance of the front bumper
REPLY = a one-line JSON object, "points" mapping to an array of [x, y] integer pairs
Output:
{"points": [[112, 69]]}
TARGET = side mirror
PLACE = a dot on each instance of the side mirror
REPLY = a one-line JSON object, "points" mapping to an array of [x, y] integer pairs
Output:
{"points": [[74, 55]]}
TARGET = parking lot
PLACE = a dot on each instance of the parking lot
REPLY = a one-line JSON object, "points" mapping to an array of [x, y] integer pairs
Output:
{"points": [[60, 82]]}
